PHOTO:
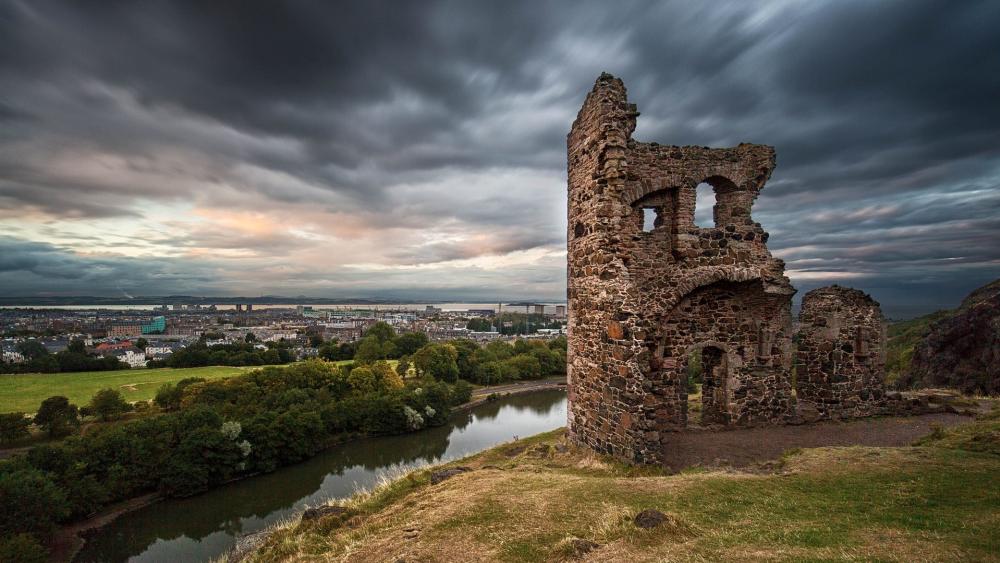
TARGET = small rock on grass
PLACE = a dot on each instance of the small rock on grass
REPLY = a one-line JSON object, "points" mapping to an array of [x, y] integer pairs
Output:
{"points": [[649, 518], [321, 511], [438, 476]]}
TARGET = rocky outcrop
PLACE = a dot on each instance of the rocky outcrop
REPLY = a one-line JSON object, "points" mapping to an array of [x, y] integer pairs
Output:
{"points": [[962, 351]]}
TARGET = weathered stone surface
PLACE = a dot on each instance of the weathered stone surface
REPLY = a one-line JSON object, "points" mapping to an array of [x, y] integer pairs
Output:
{"points": [[649, 518], [642, 302], [322, 511], [841, 354], [962, 351], [438, 476]]}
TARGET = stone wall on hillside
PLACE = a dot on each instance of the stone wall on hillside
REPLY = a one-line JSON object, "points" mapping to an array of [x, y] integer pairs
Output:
{"points": [[841, 354]]}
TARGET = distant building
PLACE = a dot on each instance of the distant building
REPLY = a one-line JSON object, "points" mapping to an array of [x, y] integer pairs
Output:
{"points": [[539, 309], [157, 326], [561, 311], [133, 357], [125, 329]]}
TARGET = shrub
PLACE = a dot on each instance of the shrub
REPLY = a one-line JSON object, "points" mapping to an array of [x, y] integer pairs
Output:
{"points": [[108, 404], [31, 504], [13, 427], [57, 416], [22, 548]]}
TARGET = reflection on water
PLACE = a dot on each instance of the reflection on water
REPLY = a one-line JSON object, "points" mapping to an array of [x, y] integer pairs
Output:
{"points": [[202, 527]]}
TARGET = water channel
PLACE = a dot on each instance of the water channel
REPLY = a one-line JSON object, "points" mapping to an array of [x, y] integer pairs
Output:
{"points": [[205, 526]]}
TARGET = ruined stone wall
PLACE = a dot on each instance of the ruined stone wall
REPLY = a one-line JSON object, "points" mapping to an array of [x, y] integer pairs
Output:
{"points": [[640, 302], [841, 354]]}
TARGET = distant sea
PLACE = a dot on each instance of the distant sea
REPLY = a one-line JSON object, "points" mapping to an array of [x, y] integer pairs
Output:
{"points": [[549, 307]]}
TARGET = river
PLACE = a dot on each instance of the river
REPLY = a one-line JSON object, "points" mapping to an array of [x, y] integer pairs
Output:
{"points": [[205, 526]]}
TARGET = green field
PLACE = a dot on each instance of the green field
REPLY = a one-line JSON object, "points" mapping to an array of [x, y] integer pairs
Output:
{"points": [[24, 392]]}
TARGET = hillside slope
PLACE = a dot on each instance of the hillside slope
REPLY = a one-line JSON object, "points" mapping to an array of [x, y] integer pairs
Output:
{"points": [[961, 349], [541, 500]]}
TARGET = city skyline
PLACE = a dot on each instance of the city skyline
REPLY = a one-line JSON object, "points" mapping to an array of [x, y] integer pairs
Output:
{"points": [[418, 152]]}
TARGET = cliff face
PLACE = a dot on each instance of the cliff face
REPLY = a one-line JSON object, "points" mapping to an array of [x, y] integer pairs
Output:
{"points": [[962, 351]]}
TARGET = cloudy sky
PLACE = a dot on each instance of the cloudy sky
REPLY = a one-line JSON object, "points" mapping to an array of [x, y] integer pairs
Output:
{"points": [[417, 150]]}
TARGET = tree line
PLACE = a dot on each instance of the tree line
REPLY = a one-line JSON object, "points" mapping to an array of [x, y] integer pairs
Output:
{"points": [[204, 433], [73, 358]]}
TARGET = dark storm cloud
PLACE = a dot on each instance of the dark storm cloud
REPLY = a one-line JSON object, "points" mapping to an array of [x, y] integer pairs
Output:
{"points": [[433, 114], [28, 268]]}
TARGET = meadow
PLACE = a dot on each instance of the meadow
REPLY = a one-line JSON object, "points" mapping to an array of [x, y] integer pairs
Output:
{"points": [[23, 392]]}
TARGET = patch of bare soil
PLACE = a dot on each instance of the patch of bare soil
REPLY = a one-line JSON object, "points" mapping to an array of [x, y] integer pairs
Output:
{"points": [[743, 447]]}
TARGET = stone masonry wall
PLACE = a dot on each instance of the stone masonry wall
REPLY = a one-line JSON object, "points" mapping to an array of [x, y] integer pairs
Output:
{"points": [[841, 354], [641, 302]]}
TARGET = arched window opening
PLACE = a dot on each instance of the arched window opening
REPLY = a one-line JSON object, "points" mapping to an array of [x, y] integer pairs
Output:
{"points": [[648, 219], [704, 206]]}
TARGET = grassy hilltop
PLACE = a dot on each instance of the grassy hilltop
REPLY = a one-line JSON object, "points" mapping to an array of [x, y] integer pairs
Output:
{"points": [[539, 500]]}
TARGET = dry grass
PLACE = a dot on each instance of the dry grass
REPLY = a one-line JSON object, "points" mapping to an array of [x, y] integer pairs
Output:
{"points": [[540, 500]]}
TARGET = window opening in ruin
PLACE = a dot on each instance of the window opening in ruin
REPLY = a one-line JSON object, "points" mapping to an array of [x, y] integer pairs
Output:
{"points": [[704, 206], [714, 372], [648, 219]]}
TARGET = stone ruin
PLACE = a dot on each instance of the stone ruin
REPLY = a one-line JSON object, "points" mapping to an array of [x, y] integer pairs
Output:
{"points": [[840, 371], [644, 302]]}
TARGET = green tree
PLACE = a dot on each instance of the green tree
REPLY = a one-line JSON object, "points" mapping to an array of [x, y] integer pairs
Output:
{"points": [[168, 397], [315, 340], [250, 337], [438, 361], [488, 373], [479, 325], [142, 344], [32, 503], [31, 349], [22, 548], [109, 404], [363, 380], [77, 346], [526, 366], [376, 378], [371, 349], [57, 416], [403, 367], [387, 377], [13, 427], [408, 343], [500, 350], [466, 360], [381, 331]]}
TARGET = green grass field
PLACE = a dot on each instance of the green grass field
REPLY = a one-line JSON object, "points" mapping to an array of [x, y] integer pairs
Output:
{"points": [[24, 392]]}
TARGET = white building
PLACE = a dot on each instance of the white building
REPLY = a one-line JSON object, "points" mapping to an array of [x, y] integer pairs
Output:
{"points": [[134, 358]]}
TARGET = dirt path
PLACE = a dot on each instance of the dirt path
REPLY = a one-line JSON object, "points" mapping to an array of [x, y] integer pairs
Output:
{"points": [[747, 446], [520, 387]]}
